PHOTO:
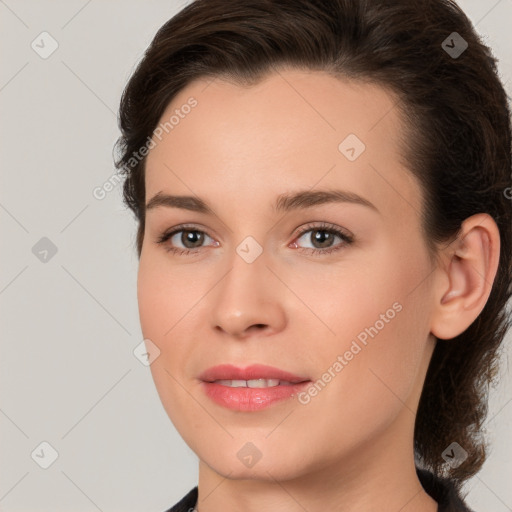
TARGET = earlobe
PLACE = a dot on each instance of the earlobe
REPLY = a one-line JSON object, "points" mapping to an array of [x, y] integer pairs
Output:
{"points": [[466, 281]]}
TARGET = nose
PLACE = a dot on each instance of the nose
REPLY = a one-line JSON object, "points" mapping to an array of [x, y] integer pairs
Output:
{"points": [[249, 300]]}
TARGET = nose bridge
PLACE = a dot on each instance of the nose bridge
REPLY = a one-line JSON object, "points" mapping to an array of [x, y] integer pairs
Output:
{"points": [[246, 296]]}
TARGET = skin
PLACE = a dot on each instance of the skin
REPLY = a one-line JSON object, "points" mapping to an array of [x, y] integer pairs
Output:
{"points": [[351, 447]]}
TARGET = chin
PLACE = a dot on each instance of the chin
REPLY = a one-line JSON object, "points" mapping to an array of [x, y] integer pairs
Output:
{"points": [[270, 467]]}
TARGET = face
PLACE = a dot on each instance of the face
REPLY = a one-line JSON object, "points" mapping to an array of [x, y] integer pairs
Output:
{"points": [[335, 291]]}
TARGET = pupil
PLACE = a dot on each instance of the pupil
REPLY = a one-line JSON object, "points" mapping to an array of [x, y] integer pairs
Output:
{"points": [[322, 238], [188, 236]]}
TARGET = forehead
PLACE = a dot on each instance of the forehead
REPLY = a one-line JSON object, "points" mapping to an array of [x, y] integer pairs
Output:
{"points": [[292, 129]]}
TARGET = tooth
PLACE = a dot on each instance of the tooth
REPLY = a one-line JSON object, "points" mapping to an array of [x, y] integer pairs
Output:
{"points": [[262, 383], [253, 383], [233, 383]]}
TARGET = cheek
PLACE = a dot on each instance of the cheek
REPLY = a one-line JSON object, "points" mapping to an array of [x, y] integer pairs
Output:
{"points": [[379, 334], [344, 300], [162, 304], [164, 294], [171, 301], [374, 314], [163, 301]]}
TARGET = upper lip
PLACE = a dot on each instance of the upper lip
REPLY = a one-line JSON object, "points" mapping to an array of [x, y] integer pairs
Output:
{"points": [[254, 371]]}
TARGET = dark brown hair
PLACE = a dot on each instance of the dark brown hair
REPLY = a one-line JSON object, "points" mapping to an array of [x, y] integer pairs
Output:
{"points": [[458, 146]]}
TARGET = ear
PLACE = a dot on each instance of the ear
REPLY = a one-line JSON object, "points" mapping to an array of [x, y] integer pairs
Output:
{"points": [[465, 276]]}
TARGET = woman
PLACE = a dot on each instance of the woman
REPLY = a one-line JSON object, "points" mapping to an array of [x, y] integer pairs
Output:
{"points": [[346, 371]]}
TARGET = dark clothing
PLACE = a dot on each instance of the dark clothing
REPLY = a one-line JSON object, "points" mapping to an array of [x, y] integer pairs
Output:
{"points": [[440, 489]]}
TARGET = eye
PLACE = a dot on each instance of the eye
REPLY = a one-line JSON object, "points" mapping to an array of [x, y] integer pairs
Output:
{"points": [[322, 238], [186, 240], [189, 237]]}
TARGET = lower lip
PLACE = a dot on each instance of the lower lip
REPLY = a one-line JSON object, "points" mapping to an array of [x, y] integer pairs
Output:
{"points": [[250, 399]]}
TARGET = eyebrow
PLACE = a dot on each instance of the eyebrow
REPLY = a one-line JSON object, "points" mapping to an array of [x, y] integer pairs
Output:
{"points": [[285, 202]]}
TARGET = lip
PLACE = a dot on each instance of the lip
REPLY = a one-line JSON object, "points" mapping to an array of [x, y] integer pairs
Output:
{"points": [[254, 371], [250, 399]]}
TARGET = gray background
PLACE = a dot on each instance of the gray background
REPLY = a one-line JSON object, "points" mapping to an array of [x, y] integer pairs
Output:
{"points": [[68, 375]]}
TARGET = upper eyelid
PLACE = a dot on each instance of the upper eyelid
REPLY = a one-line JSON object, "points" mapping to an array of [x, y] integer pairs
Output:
{"points": [[179, 228], [327, 226], [308, 226]]}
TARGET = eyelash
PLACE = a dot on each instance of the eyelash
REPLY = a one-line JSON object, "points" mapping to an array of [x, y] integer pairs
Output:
{"points": [[328, 228]]}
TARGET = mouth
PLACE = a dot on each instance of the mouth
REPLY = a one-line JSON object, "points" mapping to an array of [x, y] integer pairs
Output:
{"points": [[250, 389], [256, 375], [253, 383]]}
